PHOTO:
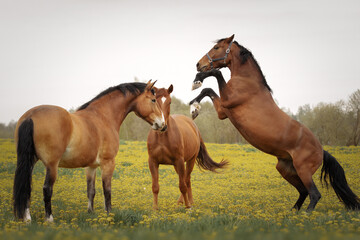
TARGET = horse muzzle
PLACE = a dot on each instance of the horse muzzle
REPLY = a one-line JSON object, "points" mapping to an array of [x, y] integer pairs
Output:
{"points": [[159, 124]]}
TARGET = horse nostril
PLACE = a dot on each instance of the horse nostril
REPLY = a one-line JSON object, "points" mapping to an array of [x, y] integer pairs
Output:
{"points": [[197, 65]]}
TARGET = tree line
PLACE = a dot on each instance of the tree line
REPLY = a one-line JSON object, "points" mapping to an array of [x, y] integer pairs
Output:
{"points": [[332, 123]]}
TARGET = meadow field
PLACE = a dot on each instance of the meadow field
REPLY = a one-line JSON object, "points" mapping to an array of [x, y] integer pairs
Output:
{"points": [[248, 200]]}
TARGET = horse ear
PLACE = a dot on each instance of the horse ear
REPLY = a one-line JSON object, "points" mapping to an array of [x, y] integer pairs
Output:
{"points": [[153, 84], [230, 39], [150, 85], [170, 89]]}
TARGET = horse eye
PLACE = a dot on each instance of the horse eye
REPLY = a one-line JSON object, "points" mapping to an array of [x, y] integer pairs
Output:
{"points": [[216, 47], [153, 100]]}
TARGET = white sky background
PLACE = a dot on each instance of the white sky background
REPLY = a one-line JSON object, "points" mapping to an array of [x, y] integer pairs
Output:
{"points": [[66, 52]]}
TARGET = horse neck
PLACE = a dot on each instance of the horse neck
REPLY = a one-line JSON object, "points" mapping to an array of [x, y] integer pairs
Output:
{"points": [[113, 108], [249, 69]]}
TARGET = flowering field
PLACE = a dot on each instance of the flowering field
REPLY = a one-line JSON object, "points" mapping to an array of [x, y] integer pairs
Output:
{"points": [[247, 200]]}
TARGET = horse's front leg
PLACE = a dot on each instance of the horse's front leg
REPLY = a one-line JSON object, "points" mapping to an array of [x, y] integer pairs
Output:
{"points": [[106, 174], [229, 97], [154, 170], [207, 92], [212, 73]]}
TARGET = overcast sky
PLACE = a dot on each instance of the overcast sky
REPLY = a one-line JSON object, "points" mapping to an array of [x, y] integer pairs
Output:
{"points": [[65, 52]]}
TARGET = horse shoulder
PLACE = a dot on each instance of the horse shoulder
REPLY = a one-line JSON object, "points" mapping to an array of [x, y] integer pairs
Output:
{"points": [[237, 91]]}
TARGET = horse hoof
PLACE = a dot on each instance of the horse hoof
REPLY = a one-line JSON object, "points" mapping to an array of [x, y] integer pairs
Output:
{"points": [[194, 109], [50, 219], [196, 85], [27, 216]]}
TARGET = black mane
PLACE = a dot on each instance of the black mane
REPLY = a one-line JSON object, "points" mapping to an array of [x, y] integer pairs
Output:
{"points": [[124, 88], [245, 54]]}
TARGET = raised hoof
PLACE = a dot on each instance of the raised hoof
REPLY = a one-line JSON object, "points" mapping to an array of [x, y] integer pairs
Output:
{"points": [[196, 85], [195, 109]]}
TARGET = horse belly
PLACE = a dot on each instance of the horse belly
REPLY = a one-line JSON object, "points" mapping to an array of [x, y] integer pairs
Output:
{"points": [[190, 137], [73, 158], [83, 147], [191, 149], [267, 134]]}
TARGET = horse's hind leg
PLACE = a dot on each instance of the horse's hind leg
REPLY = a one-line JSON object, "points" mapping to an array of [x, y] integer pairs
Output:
{"points": [[180, 169], [189, 168], [50, 178], [90, 180], [305, 169], [107, 170], [287, 171]]}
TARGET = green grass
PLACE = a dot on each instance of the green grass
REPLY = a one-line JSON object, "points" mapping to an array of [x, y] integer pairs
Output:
{"points": [[249, 200]]}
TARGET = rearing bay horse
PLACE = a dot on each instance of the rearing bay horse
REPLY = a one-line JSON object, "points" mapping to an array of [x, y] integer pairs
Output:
{"points": [[87, 138], [247, 101], [181, 143]]}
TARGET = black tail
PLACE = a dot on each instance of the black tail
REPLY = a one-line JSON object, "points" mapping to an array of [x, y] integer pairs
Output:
{"points": [[25, 164], [204, 160], [336, 174]]}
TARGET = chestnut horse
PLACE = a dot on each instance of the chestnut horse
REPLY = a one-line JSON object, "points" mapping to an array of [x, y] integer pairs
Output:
{"points": [[87, 138], [247, 101], [180, 143]]}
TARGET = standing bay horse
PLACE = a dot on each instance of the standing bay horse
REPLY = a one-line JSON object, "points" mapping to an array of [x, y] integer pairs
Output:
{"points": [[87, 138], [247, 101], [180, 142]]}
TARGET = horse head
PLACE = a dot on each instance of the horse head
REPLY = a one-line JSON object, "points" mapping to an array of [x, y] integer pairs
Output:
{"points": [[164, 100], [147, 108], [217, 57]]}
